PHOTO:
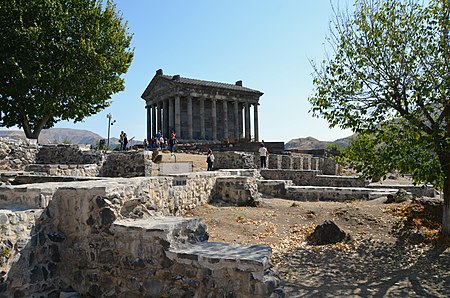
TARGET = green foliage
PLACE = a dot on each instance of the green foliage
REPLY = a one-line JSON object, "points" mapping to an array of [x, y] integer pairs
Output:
{"points": [[61, 60], [392, 149], [388, 81]]}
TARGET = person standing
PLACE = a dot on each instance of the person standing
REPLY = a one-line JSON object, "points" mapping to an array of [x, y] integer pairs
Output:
{"points": [[125, 141], [172, 142], [263, 154], [210, 160], [121, 140]]}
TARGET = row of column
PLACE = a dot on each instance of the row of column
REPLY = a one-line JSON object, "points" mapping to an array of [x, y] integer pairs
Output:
{"points": [[166, 116]]}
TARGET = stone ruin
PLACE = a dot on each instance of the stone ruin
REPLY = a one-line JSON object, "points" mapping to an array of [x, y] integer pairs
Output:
{"points": [[77, 232]]}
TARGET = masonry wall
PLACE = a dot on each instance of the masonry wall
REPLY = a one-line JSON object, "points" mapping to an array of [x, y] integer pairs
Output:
{"points": [[103, 239], [250, 160], [15, 155]]}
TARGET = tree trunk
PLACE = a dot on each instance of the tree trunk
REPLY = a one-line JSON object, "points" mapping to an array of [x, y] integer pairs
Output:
{"points": [[37, 129], [445, 164], [446, 208]]}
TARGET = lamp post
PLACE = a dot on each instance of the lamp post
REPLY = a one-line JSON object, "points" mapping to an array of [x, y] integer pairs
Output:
{"points": [[109, 116]]}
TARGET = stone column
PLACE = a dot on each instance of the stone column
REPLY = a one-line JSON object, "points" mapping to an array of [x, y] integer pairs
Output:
{"points": [[214, 119], [248, 134], [189, 118], [149, 122], [225, 119], [159, 117], [171, 117], [202, 118], [165, 129], [178, 117], [153, 119], [237, 134], [255, 122]]}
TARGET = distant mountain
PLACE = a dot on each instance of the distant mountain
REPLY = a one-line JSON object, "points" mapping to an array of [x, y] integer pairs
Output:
{"points": [[311, 143], [58, 135]]}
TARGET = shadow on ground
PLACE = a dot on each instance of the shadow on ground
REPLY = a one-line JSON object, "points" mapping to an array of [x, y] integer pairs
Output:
{"points": [[374, 269]]}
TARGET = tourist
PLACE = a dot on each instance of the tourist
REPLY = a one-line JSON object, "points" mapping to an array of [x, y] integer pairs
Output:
{"points": [[125, 141], [158, 134], [210, 160], [145, 144], [263, 155], [172, 142], [162, 143], [121, 140]]}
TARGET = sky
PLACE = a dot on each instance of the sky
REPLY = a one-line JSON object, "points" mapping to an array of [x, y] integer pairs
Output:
{"points": [[267, 44]]}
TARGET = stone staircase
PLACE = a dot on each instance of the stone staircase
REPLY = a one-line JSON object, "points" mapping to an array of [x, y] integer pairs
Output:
{"points": [[286, 190]]}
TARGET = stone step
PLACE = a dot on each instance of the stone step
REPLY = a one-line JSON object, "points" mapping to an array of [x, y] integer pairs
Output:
{"points": [[175, 230], [326, 193], [213, 255], [274, 188]]}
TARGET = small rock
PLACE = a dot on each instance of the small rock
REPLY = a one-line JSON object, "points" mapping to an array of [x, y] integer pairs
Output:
{"points": [[399, 197], [327, 233]]}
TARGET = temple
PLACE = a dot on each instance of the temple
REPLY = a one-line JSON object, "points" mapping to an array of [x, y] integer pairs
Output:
{"points": [[200, 110]]}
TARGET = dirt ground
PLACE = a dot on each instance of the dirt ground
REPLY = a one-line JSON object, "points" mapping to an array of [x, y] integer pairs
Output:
{"points": [[376, 262]]}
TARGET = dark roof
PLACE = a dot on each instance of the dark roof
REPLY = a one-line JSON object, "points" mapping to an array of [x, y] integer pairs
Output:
{"points": [[188, 81]]}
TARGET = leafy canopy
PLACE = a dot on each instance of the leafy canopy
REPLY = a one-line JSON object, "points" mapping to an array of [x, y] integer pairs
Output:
{"points": [[60, 60], [388, 80]]}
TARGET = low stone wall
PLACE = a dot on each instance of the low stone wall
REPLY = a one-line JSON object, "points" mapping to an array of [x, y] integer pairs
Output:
{"points": [[68, 154], [80, 170], [298, 177], [236, 191], [337, 194], [15, 155], [313, 178], [107, 238], [250, 160], [128, 164]]}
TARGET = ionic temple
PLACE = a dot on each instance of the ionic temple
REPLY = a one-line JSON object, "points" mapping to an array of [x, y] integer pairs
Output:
{"points": [[200, 110]]}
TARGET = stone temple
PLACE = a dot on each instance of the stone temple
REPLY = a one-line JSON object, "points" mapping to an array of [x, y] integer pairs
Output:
{"points": [[200, 110]]}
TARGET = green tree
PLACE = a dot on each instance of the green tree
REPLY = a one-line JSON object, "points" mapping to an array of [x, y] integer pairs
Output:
{"points": [[60, 60], [388, 78]]}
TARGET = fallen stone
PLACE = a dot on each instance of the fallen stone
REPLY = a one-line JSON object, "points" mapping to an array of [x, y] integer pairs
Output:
{"points": [[399, 197], [327, 233]]}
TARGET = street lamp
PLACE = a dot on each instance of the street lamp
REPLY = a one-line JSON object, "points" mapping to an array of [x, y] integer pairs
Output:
{"points": [[109, 116]]}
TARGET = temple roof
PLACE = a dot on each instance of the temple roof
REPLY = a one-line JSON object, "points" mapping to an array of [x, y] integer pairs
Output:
{"points": [[177, 80], [208, 83]]}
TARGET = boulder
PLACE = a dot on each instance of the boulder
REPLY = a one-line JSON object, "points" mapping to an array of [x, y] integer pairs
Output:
{"points": [[399, 197], [327, 233]]}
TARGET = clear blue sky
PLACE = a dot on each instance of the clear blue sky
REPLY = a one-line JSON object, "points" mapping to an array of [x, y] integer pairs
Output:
{"points": [[266, 44]]}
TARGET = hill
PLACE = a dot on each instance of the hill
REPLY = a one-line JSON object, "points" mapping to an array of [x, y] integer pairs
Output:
{"points": [[311, 143], [58, 135]]}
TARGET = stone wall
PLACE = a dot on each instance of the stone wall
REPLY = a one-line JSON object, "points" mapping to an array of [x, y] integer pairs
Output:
{"points": [[128, 164], [313, 178], [236, 191], [119, 238], [74, 170], [15, 155], [68, 154], [250, 160]]}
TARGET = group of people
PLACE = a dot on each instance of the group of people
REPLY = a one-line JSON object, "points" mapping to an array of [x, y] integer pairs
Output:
{"points": [[159, 142]]}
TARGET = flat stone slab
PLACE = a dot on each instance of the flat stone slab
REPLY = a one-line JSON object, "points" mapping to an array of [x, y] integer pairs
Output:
{"points": [[157, 223], [215, 255]]}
